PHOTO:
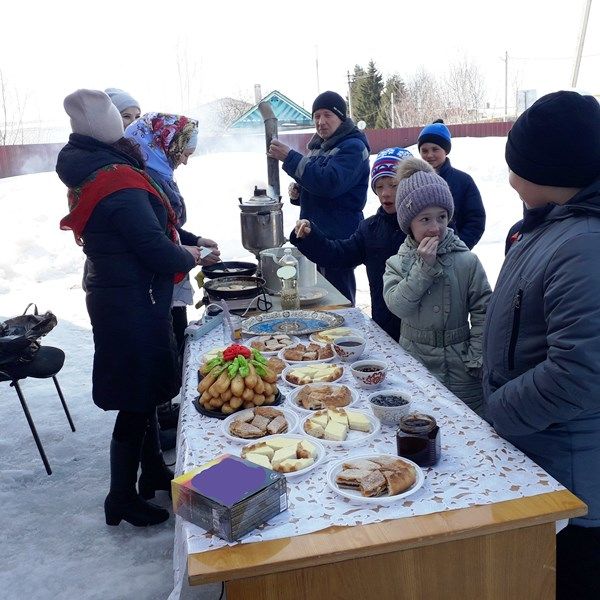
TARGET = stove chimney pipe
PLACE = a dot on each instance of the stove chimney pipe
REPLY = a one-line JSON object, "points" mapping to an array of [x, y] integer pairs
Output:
{"points": [[266, 111]]}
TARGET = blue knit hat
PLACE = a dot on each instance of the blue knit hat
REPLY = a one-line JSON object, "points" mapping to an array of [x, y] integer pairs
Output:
{"points": [[436, 133], [386, 162]]}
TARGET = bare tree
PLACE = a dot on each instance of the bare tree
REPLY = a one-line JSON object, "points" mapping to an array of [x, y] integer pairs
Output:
{"points": [[12, 108], [422, 101], [464, 90]]}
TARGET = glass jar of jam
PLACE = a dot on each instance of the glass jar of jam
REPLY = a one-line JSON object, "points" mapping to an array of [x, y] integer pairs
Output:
{"points": [[418, 438]]}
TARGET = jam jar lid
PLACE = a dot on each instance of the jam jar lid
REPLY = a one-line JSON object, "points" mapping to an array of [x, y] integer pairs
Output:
{"points": [[418, 423]]}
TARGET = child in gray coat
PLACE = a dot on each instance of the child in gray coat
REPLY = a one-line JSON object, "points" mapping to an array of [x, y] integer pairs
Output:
{"points": [[435, 283]]}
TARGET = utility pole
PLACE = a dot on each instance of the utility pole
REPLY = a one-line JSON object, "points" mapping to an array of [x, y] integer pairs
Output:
{"points": [[506, 86], [317, 66], [392, 109], [349, 95], [586, 16]]}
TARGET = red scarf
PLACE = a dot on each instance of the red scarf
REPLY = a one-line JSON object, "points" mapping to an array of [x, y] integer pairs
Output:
{"points": [[108, 180]]}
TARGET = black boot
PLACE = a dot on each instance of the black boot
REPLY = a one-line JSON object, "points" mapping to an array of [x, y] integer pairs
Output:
{"points": [[123, 502], [155, 474]]}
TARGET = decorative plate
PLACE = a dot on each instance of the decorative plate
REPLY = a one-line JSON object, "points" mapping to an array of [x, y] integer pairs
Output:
{"points": [[356, 496], [290, 416], [292, 322]]}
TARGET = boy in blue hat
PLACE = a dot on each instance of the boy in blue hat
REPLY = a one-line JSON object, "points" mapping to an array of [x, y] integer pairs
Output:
{"points": [[435, 143], [376, 239]]}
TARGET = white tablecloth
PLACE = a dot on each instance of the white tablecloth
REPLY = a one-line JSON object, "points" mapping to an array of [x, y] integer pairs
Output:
{"points": [[477, 466]]}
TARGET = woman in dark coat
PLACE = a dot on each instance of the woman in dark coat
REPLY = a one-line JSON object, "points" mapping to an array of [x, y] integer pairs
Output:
{"points": [[133, 256]]}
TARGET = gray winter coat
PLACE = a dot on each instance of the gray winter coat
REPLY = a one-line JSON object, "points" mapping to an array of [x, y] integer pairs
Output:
{"points": [[542, 346], [434, 304]]}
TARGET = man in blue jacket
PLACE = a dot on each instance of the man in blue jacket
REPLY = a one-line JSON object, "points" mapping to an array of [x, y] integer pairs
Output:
{"points": [[333, 178], [541, 347], [435, 143]]}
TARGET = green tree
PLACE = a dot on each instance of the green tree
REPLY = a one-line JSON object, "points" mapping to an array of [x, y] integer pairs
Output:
{"points": [[366, 88], [395, 90]]}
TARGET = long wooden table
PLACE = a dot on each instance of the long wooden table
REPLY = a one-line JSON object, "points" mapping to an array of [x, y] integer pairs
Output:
{"points": [[500, 550], [497, 551]]}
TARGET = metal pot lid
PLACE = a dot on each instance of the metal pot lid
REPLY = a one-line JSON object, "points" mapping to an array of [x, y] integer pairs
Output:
{"points": [[260, 198]]}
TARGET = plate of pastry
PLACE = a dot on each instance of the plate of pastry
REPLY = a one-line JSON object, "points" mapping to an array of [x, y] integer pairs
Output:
{"points": [[340, 426], [259, 422], [297, 375], [329, 336], [271, 344], [290, 454], [375, 478], [309, 398], [311, 352]]}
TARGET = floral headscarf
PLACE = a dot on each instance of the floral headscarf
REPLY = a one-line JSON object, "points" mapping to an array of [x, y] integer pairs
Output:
{"points": [[162, 139]]}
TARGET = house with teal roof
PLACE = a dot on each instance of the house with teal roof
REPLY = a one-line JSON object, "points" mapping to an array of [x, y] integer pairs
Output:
{"points": [[288, 113]]}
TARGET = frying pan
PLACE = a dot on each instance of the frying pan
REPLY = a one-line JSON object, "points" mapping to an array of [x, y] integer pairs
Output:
{"points": [[255, 285], [234, 268]]}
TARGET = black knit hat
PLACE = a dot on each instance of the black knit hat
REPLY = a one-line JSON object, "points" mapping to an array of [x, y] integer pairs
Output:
{"points": [[331, 101], [556, 141]]}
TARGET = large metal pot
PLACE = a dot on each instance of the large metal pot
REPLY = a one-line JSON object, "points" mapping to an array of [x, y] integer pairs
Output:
{"points": [[262, 222], [269, 263]]}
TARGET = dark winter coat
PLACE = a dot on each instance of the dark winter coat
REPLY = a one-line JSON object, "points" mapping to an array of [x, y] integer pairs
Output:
{"points": [[333, 177], [542, 345], [183, 291], [469, 215], [129, 284], [376, 239]]}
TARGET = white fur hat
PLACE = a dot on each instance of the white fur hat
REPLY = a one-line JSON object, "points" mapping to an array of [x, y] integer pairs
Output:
{"points": [[92, 113]]}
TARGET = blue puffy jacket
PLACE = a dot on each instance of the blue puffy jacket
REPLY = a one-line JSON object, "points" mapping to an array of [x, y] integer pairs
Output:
{"points": [[333, 177], [541, 346], [469, 215], [376, 239]]}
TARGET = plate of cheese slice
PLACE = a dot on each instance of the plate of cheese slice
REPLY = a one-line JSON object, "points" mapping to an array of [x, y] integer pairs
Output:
{"points": [[290, 454], [328, 336], [258, 422], [297, 375], [340, 426], [375, 478]]}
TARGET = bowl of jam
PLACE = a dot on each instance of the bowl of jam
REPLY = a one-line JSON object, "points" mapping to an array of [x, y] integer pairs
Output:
{"points": [[390, 405], [368, 373], [350, 347]]}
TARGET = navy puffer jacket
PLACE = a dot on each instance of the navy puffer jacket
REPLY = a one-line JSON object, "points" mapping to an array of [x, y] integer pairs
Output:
{"points": [[469, 214], [376, 239], [541, 347], [334, 178]]}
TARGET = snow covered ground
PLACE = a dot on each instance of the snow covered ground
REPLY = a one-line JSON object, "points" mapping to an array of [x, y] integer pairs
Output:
{"points": [[53, 540]]}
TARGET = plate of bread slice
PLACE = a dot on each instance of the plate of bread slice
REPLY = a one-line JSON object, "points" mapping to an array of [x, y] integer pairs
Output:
{"points": [[270, 344], [319, 396], [340, 427], [311, 352], [302, 374], [258, 422], [290, 454], [375, 478]]}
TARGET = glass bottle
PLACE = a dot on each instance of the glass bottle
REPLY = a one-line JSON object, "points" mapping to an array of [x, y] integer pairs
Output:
{"points": [[288, 275], [418, 438]]}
